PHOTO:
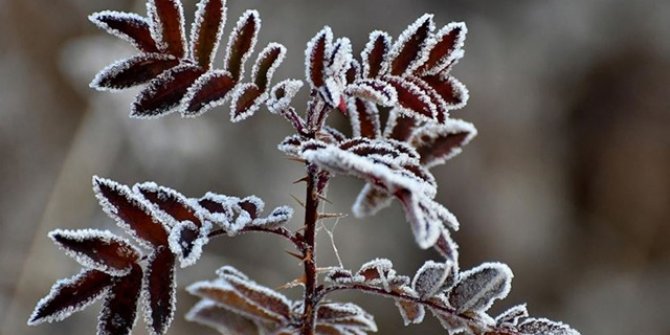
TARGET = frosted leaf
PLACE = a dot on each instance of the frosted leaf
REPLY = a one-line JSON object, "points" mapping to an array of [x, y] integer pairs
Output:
{"points": [[208, 313], [270, 300], [186, 241], [246, 100], [323, 329], [511, 316], [430, 278], [339, 276], [291, 145], [449, 40], [340, 58], [455, 325], [331, 92], [267, 63], [437, 143], [346, 314], [375, 53], [207, 92], [375, 271], [454, 93], [97, 249], [441, 107], [218, 208], [206, 31], [228, 270], [447, 247], [399, 126], [410, 311], [354, 72], [315, 57], [242, 42], [172, 205], [364, 118], [165, 92], [131, 212], [333, 135], [159, 287], [411, 49], [252, 205], [371, 200], [426, 217], [478, 288], [282, 94], [376, 91], [223, 293], [278, 216], [414, 101], [119, 310], [128, 26], [71, 295], [133, 71], [543, 326], [167, 18]]}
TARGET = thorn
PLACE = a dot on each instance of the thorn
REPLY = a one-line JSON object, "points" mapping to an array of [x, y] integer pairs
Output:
{"points": [[298, 200], [296, 159], [332, 215], [325, 199], [303, 179], [296, 255]]}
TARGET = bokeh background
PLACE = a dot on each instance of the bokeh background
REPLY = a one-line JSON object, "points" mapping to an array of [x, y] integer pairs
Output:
{"points": [[568, 181]]}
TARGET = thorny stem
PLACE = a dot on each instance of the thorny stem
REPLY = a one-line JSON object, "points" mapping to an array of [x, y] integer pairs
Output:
{"points": [[474, 324], [311, 218]]}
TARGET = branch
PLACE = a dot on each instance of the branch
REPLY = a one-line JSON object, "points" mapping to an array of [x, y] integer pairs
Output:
{"points": [[279, 231], [470, 321]]}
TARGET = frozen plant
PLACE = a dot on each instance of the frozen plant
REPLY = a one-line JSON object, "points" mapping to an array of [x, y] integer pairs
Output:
{"points": [[409, 79]]}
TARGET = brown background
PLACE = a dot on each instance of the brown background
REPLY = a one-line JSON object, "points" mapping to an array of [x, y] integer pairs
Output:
{"points": [[568, 182]]}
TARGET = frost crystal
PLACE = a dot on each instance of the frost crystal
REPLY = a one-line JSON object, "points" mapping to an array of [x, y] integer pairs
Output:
{"points": [[545, 327], [242, 42], [159, 291], [430, 278], [375, 53], [130, 27], [511, 316], [478, 288], [167, 17], [207, 30], [133, 71]]}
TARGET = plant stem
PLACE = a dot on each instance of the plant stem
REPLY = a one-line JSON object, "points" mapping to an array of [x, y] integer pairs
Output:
{"points": [[311, 217]]}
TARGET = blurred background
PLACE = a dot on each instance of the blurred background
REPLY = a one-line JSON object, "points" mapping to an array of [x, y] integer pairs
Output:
{"points": [[568, 181]]}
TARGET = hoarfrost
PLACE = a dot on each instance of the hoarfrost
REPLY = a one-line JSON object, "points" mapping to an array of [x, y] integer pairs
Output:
{"points": [[410, 311], [511, 316], [159, 291], [430, 278], [186, 241], [346, 314], [208, 313], [132, 71], [376, 91], [315, 56], [370, 201], [448, 48], [167, 17], [437, 143], [205, 40], [411, 49], [375, 53], [119, 309], [267, 63], [413, 100], [209, 91], [246, 100], [130, 27], [543, 326], [282, 94], [97, 249], [478, 288], [71, 295], [165, 92], [241, 44]]}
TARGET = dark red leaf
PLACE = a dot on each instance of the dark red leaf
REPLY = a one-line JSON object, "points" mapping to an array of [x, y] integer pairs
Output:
{"points": [[130, 27], [242, 42], [184, 241], [415, 101], [130, 212], [268, 61], [246, 100], [170, 201], [376, 91], [97, 249], [451, 90], [252, 206], [70, 296], [409, 52], [316, 56], [438, 143], [441, 107], [209, 313], [399, 127], [164, 93], [168, 25], [269, 299], [207, 30], [364, 119], [209, 91], [354, 71], [449, 39], [133, 71], [375, 54], [160, 286], [120, 307]]}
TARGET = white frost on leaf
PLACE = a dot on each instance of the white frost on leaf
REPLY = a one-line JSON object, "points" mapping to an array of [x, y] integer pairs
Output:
{"points": [[312, 51], [263, 55], [427, 218], [125, 65], [282, 95], [541, 326], [407, 37], [455, 52], [197, 25], [76, 300], [91, 249], [186, 241], [426, 111], [376, 91], [236, 114], [131, 18], [198, 86], [370, 201], [346, 314], [227, 270], [372, 48], [157, 26], [448, 248], [248, 15], [478, 288], [436, 141], [209, 313], [511, 316], [430, 278], [278, 216], [339, 276], [411, 312]]}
